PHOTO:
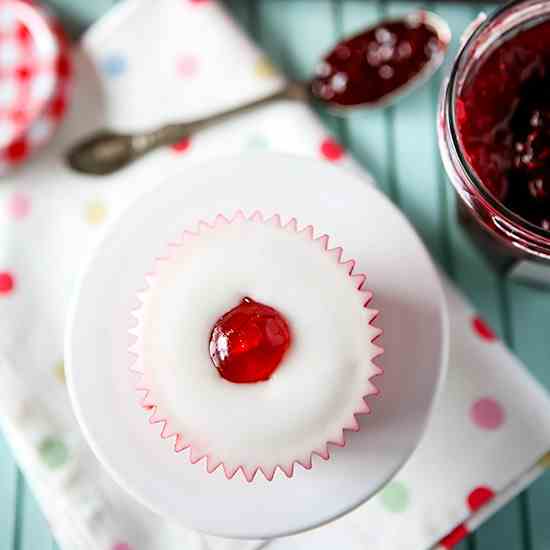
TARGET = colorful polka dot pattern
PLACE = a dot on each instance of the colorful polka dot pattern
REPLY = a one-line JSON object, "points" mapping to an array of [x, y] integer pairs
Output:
{"points": [[479, 497], [18, 206], [59, 371], [114, 65], [458, 534], [7, 283], [487, 413], [483, 330], [264, 68], [187, 66], [95, 212], [331, 150], [53, 452], [395, 497], [182, 145]]}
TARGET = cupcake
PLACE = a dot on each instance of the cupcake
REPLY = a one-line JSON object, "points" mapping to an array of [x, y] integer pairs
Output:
{"points": [[255, 345]]}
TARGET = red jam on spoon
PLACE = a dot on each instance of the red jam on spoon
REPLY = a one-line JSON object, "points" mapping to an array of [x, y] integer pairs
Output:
{"points": [[370, 66], [503, 120], [248, 342]]}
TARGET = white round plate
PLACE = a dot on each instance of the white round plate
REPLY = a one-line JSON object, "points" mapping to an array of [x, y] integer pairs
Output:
{"points": [[406, 290]]}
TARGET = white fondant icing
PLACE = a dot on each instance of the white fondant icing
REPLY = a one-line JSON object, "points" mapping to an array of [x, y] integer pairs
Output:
{"points": [[323, 378]]}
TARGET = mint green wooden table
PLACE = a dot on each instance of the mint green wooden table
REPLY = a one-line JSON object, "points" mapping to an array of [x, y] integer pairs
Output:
{"points": [[398, 146]]}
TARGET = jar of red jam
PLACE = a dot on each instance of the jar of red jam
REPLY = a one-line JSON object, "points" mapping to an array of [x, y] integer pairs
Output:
{"points": [[494, 138]]}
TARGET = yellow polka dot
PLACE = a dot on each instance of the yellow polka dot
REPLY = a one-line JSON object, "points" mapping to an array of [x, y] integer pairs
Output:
{"points": [[59, 371], [96, 212], [264, 68], [545, 461]]}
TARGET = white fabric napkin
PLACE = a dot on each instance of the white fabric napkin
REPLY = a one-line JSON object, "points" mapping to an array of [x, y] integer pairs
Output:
{"points": [[149, 62]]}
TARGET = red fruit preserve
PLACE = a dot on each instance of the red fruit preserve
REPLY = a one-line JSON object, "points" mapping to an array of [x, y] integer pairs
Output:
{"points": [[503, 120], [494, 137], [248, 342], [372, 65]]}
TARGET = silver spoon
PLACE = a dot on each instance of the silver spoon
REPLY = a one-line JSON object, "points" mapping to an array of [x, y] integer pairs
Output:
{"points": [[107, 151]]}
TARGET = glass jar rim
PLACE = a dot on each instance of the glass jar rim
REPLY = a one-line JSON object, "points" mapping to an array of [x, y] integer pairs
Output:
{"points": [[520, 224]]}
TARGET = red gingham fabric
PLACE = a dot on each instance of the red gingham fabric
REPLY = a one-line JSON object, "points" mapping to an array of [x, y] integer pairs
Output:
{"points": [[34, 79]]}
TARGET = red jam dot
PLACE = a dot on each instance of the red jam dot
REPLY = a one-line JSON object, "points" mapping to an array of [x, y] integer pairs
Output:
{"points": [[370, 66], [248, 342], [503, 117]]}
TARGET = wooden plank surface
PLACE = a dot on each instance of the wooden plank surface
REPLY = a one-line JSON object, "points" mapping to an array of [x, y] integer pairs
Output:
{"points": [[398, 146], [8, 490], [32, 531]]}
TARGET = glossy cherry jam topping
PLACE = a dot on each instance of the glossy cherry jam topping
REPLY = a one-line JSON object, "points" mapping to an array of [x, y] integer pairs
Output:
{"points": [[248, 342], [503, 119], [372, 65]]}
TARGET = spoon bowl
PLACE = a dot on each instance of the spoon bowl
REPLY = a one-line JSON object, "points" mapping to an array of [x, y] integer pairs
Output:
{"points": [[381, 64], [372, 69]]}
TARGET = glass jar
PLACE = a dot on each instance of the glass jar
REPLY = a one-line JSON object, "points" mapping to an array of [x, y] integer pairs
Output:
{"points": [[511, 243]]}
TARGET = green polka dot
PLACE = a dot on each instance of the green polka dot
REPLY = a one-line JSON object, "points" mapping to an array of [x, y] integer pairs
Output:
{"points": [[53, 452], [257, 142], [395, 497]]}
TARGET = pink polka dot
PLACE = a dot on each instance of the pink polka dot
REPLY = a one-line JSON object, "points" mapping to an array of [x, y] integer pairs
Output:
{"points": [[121, 546], [7, 283], [487, 413], [187, 65], [479, 497], [331, 150], [19, 206], [482, 329], [182, 145]]}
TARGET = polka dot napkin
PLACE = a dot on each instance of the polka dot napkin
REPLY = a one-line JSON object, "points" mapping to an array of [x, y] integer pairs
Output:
{"points": [[181, 59]]}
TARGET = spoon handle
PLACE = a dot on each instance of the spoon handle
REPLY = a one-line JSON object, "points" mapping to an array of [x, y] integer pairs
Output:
{"points": [[106, 151]]}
